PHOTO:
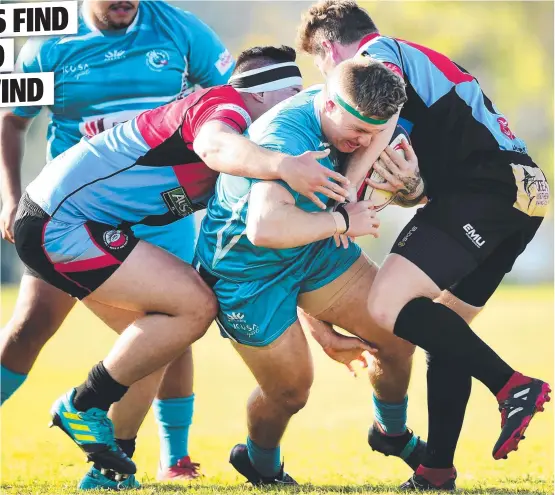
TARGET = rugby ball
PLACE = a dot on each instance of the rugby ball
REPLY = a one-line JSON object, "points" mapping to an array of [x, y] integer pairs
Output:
{"points": [[382, 198]]}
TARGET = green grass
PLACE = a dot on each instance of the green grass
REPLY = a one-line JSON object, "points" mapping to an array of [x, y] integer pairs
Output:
{"points": [[325, 447]]}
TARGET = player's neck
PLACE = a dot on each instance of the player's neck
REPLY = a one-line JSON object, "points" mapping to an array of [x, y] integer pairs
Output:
{"points": [[365, 39], [105, 26]]}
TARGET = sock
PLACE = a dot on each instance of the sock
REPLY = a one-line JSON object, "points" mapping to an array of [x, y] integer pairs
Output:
{"points": [[440, 331], [391, 417], [10, 381], [100, 390], [436, 476], [174, 417], [265, 461], [448, 393], [516, 380], [128, 446]]}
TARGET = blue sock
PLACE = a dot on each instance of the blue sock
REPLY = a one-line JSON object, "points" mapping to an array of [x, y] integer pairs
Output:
{"points": [[265, 461], [391, 417], [9, 383], [174, 418]]}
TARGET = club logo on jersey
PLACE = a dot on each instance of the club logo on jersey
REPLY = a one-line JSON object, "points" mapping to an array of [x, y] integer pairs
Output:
{"points": [[157, 60], [224, 62], [115, 239], [114, 55], [504, 127], [77, 71], [473, 236], [532, 195], [178, 202]]}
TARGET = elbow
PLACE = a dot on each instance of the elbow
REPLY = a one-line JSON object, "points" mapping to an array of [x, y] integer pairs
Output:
{"points": [[260, 236]]}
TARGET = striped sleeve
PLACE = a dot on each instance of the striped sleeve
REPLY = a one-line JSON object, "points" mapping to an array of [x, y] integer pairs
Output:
{"points": [[225, 106]]}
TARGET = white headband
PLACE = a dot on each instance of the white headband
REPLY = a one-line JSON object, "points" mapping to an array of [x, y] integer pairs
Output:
{"points": [[269, 78]]}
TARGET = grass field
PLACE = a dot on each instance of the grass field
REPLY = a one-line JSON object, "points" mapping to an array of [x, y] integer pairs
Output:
{"points": [[325, 447]]}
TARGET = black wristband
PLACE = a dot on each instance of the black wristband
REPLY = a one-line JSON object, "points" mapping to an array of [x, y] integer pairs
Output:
{"points": [[340, 208]]}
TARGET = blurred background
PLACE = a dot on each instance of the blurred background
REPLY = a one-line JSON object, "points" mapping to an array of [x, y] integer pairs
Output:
{"points": [[508, 46]]}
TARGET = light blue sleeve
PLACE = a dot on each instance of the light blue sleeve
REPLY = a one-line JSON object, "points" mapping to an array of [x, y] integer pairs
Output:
{"points": [[384, 50], [29, 60], [210, 63], [284, 138]]}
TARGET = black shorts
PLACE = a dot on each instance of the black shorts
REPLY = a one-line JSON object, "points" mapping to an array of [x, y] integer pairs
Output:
{"points": [[467, 242], [76, 258]]}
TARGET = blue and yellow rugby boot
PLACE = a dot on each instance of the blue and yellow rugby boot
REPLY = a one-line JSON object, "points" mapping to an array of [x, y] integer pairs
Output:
{"points": [[106, 479], [93, 432]]}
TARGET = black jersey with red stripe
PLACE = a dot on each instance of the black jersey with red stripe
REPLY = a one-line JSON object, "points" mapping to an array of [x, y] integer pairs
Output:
{"points": [[462, 141]]}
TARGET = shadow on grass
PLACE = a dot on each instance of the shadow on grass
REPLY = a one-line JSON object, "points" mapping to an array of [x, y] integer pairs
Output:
{"points": [[524, 486]]}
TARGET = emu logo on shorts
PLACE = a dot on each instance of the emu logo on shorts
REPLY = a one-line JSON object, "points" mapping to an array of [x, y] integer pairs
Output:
{"points": [[115, 239], [157, 60]]}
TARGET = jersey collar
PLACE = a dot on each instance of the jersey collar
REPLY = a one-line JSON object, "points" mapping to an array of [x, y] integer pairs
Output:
{"points": [[367, 38], [90, 24]]}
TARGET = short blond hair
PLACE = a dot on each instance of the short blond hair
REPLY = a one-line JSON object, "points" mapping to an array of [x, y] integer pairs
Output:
{"points": [[341, 21], [369, 86]]}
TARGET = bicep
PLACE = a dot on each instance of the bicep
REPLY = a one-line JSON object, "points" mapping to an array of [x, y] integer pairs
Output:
{"points": [[269, 196], [209, 132]]}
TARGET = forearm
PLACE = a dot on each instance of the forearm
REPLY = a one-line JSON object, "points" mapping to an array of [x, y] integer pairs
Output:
{"points": [[11, 155], [286, 226], [362, 160], [234, 154]]}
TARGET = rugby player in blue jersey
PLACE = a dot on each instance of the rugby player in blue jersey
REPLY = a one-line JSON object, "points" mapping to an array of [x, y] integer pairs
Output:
{"points": [[74, 229], [487, 200], [126, 57], [265, 249]]}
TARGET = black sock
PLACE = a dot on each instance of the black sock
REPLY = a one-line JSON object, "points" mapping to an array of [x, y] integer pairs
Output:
{"points": [[448, 393], [128, 446], [440, 331], [100, 390]]}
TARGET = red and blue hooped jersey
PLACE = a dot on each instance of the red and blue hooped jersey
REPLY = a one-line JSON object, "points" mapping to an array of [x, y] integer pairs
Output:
{"points": [[459, 136], [143, 171]]}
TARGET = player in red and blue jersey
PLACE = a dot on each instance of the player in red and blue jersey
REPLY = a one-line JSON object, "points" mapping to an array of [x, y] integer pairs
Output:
{"points": [[487, 199], [74, 228], [169, 53]]}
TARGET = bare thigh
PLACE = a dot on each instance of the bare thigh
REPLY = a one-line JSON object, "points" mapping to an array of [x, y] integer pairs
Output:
{"points": [[350, 311]]}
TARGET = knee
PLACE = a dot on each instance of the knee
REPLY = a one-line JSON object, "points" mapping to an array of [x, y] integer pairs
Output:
{"points": [[398, 353], [293, 397], [381, 313], [202, 311], [466, 311]]}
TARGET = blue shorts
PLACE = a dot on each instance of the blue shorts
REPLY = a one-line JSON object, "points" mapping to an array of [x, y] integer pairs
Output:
{"points": [[177, 238], [256, 313]]}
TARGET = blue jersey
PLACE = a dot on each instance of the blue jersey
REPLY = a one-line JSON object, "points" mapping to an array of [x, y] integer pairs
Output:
{"points": [[106, 77], [292, 127], [459, 136]]}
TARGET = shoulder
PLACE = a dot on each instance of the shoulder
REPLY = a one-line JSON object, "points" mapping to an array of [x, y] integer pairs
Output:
{"points": [[42, 51], [184, 18]]}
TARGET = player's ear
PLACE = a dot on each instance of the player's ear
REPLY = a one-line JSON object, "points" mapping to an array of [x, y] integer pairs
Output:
{"points": [[330, 105]]}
